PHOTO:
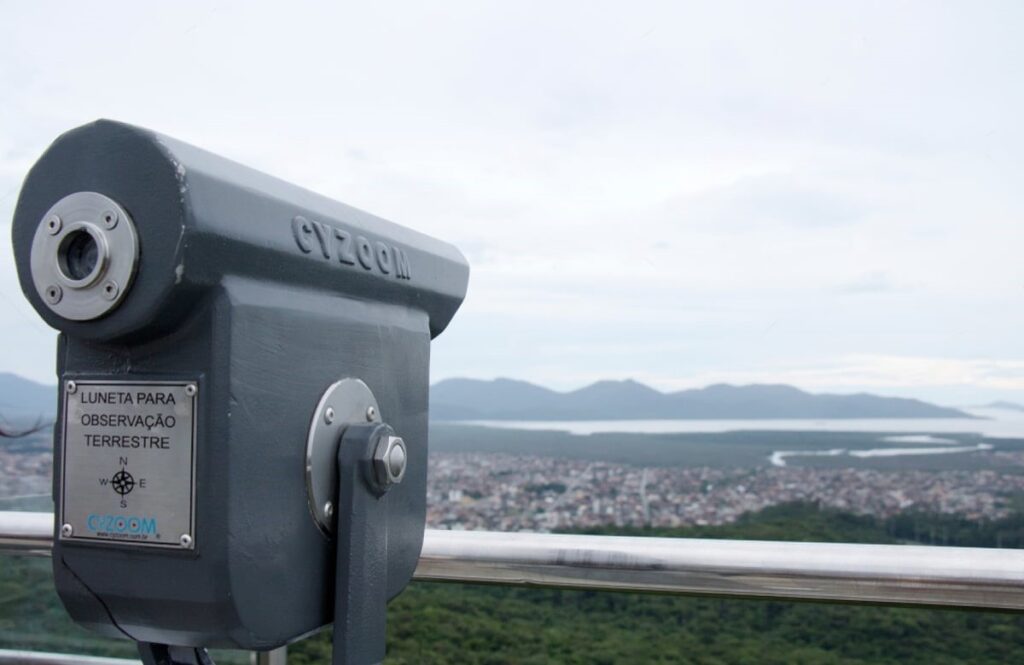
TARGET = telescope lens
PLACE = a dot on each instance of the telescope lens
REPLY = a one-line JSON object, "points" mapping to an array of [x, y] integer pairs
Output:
{"points": [[78, 255]]}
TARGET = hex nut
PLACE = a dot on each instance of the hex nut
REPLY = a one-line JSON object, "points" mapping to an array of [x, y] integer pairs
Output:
{"points": [[389, 461]]}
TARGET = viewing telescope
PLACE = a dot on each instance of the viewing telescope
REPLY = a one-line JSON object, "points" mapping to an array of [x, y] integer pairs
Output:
{"points": [[241, 443]]}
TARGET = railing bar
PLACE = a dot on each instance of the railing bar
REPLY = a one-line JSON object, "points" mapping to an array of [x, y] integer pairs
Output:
{"points": [[18, 657], [876, 574]]}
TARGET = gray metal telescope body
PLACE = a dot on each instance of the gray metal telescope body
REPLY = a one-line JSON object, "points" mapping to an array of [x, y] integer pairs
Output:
{"points": [[261, 295]]}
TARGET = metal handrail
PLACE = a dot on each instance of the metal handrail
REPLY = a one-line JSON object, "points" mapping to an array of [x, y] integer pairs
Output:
{"points": [[26, 533], [19, 657], [877, 574]]}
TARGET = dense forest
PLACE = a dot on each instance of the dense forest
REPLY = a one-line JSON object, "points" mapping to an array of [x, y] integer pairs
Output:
{"points": [[448, 623]]}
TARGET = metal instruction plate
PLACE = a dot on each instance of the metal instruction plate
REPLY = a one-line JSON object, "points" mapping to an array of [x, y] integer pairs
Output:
{"points": [[129, 463]]}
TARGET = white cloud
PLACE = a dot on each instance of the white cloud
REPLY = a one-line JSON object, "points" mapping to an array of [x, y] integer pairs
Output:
{"points": [[883, 372], [670, 191], [770, 200]]}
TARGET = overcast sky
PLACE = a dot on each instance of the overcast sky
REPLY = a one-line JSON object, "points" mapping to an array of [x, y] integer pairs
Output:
{"points": [[682, 193]]}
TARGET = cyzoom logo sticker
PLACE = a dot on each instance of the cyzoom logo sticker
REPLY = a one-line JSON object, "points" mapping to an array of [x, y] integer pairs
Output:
{"points": [[126, 525], [335, 244]]}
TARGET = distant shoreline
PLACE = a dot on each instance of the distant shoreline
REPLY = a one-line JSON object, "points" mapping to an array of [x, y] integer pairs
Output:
{"points": [[979, 425]]}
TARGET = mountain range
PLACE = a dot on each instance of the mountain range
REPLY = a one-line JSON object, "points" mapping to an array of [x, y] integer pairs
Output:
{"points": [[22, 399], [1005, 406], [507, 399]]}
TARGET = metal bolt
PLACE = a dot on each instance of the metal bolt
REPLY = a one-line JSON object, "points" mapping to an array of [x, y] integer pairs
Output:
{"points": [[396, 461], [66, 530], [328, 510], [110, 290], [185, 540], [53, 225], [72, 387], [371, 413], [329, 416], [109, 218], [389, 461], [53, 294], [190, 390]]}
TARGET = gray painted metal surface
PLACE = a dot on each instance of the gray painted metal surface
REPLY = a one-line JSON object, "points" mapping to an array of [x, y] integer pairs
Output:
{"points": [[263, 294], [876, 574]]}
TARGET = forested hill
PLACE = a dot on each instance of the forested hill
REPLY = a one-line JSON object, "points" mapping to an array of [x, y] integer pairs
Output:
{"points": [[505, 399], [431, 624]]}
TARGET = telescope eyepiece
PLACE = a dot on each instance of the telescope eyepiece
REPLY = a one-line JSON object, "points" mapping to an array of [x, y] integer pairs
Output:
{"points": [[78, 256]]}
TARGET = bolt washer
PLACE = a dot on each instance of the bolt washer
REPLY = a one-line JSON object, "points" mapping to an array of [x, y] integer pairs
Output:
{"points": [[350, 401]]}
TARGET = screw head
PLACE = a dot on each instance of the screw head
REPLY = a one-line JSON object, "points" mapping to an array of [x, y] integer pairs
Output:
{"points": [[110, 290], [109, 218], [190, 390], [329, 415], [371, 413], [328, 510], [185, 540], [66, 530], [72, 387], [53, 225], [54, 294]]}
